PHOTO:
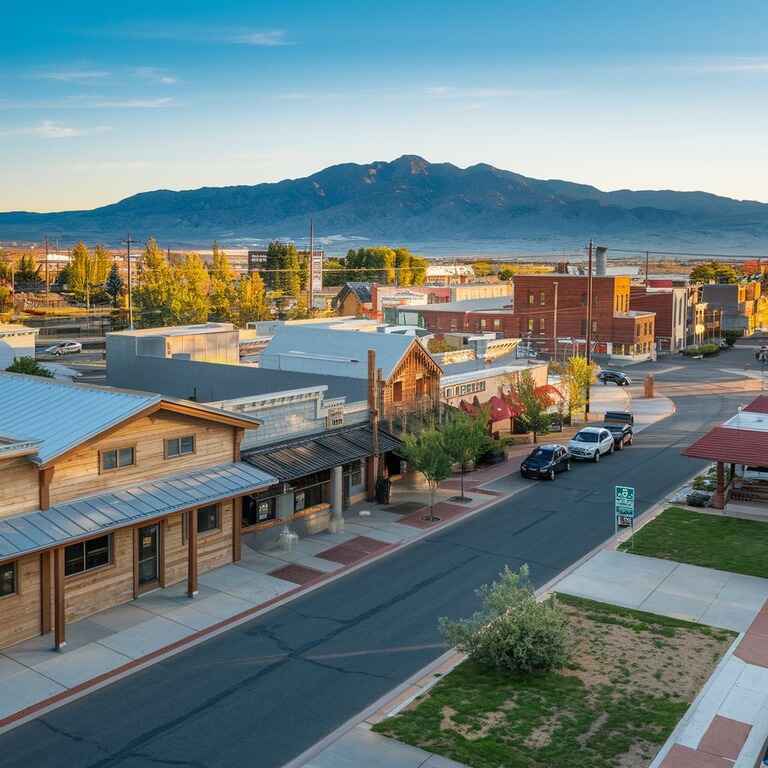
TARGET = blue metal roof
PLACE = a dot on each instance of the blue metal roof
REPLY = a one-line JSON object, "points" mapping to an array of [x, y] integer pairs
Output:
{"points": [[61, 415], [105, 512]]}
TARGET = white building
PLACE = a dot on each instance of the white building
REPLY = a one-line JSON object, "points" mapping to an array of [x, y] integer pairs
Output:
{"points": [[16, 341]]}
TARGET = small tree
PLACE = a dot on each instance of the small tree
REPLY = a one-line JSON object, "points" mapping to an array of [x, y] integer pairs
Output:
{"points": [[30, 367], [465, 439], [576, 377], [114, 285], [512, 631], [534, 415], [426, 454]]}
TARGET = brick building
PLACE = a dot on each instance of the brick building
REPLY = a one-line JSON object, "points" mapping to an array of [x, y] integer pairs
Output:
{"points": [[671, 308]]}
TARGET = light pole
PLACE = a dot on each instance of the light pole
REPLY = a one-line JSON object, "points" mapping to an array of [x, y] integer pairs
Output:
{"points": [[589, 327], [129, 241], [554, 323]]}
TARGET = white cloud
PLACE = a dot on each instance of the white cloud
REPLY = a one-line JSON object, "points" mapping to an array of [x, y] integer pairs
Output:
{"points": [[51, 129], [733, 65], [75, 75], [155, 75], [265, 38], [268, 39]]}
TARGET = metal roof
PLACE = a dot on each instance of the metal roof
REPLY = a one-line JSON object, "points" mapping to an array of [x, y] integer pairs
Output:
{"points": [[487, 304], [93, 515], [61, 415], [758, 405], [333, 352], [299, 457], [731, 445]]}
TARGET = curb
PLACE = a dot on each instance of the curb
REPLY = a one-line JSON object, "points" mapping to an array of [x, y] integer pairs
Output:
{"points": [[195, 638]]}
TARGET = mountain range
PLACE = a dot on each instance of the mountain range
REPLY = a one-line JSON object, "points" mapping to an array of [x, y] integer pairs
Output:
{"points": [[401, 201]]}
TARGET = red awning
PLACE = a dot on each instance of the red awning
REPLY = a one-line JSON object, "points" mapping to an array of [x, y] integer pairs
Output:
{"points": [[758, 405], [732, 446], [500, 411], [549, 392], [515, 406]]}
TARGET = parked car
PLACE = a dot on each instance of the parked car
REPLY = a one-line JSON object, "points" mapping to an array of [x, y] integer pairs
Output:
{"points": [[622, 434], [752, 473], [65, 348], [546, 461], [620, 417], [591, 443], [614, 377]]}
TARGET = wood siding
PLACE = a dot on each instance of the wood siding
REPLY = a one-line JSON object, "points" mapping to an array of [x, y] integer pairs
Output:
{"points": [[18, 486], [20, 614], [78, 474], [417, 364]]}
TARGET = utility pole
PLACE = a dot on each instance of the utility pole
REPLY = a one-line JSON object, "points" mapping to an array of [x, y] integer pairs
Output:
{"points": [[311, 270], [646, 269], [589, 325], [554, 323], [46, 268], [129, 241]]}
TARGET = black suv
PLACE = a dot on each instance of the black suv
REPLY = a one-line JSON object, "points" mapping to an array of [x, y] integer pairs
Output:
{"points": [[615, 377], [546, 461], [622, 434]]}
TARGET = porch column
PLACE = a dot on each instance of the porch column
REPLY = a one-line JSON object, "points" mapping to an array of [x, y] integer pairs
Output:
{"points": [[60, 639], [46, 618], [337, 500], [237, 528], [192, 553], [718, 500]]}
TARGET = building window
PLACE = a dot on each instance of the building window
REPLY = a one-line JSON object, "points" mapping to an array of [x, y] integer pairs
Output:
{"points": [[594, 326], [583, 299], [530, 323], [356, 472], [542, 298], [482, 323], [454, 324], [87, 555], [542, 325], [531, 298], [117, 458], [311, 490], [497, 324], [258, 510], [397, 392], [208, 518], [8, 579], [179, 446], [420, 387]]}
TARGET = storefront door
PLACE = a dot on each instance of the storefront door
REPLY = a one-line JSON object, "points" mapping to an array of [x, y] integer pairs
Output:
{"points": [[148, 563]]}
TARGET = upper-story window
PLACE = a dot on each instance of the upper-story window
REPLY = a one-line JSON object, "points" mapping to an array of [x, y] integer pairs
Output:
{"points": [[117, 458], [179, 446], [531, 297], [496, 323], [542, 298], [8, 579]]}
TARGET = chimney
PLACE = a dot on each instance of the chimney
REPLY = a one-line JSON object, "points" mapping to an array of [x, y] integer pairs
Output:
{"points": [[601, 261]]}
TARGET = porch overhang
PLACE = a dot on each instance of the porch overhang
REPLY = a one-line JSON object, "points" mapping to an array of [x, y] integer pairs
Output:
{"points": [[731, 446]]}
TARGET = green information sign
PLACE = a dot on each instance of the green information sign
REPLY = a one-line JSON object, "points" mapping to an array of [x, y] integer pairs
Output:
{"points": [[624, 505]]}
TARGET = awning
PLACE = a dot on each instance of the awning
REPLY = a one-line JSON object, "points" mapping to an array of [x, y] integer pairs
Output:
{"points": [[732, 446], [105, 512], [300, 457]]}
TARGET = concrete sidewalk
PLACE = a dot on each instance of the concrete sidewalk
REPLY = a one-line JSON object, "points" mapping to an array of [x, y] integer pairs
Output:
{"points": [[727, 724]]}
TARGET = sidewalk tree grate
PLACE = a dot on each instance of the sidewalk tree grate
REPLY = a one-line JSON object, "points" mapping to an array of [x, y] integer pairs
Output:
{"points": [[298, 574], [353, 550]]}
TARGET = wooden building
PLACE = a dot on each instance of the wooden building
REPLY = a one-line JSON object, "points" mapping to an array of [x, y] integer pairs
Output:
{"points": [[354, 300], [108, 494]]}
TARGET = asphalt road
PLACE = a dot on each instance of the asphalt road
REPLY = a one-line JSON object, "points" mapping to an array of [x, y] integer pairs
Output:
{"points": [[264, 692]]}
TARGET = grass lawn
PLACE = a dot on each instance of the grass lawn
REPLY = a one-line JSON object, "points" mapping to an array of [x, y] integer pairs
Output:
{"points": [[631, 678], [701, 539]]}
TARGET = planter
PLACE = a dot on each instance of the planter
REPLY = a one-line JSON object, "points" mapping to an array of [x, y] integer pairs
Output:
{"points": [[523, 439]]}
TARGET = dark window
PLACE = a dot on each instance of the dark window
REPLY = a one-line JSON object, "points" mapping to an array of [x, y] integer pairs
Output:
{"points": [[208, 518], [311, 490], [179, 446], [397, 392], [7, 579], [117, 458], [419, 387], [355, 471], [258, 510], [87, 555]]}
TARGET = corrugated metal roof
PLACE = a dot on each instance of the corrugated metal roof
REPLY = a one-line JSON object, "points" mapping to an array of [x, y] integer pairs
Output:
{"points": [[333, 352], [299, 457], [86, 516], [758, 405], [62, 415]]}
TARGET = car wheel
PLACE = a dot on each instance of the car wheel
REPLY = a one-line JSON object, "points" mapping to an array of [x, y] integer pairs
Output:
{"points": [[610, 450], [620, 446], [596, 457], [551, 474]]}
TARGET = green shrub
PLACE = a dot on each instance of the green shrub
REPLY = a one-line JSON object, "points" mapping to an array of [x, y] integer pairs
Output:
{"points": [[709, 349], [512, 631], [29, 366]]}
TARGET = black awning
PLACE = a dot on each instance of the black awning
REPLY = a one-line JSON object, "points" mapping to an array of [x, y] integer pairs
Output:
{"points": [[302, 456]]}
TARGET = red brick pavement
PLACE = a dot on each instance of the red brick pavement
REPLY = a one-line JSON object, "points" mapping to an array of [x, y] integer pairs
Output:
{"points": [[353, 550], [685, 757], [724, 737], [298, 574], [443, 511]]}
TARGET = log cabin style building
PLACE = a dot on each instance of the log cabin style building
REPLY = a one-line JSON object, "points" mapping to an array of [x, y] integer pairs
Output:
{"points": [[107, 494]]}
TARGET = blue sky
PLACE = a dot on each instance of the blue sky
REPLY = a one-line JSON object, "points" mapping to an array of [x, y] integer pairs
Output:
{"points": [[102, 100]]}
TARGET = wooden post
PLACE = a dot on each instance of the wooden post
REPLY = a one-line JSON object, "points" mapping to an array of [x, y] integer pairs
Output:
{"points": [[237, 438], [192, 553], [46, 618], [60, 639], [237, 527], [719, 499], [44, 477]]}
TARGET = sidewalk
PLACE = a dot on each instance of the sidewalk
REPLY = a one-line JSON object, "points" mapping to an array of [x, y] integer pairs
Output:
{"points": [[727, 724]]}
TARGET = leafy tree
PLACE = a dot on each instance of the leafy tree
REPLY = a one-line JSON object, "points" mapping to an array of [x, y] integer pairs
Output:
{"points": [[30, 367], [7, 266], [512, 631], [482, 268], [404, 266], [156, 288], [102, 264], [114, 285], [251, 299], [223, 288], [82, 273], [283, 269], [418, 270], [333, 272], [576, 376], [714, 272], [465, 439], [191, 282], [27, 270], [534, 415], [506, 274], [426, 453], [6, 298]]}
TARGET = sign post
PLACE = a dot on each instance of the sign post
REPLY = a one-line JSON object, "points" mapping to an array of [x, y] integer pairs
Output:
{"points": [[624, 507]]}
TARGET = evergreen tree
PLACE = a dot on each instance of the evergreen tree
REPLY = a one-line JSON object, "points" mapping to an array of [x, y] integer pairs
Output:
{"points": [[114, 285]]}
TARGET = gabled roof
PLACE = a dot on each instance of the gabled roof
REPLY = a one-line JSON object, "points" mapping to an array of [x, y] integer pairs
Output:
{"points": [[104, 512], [361, 290], [60, 415], [306, 349]]}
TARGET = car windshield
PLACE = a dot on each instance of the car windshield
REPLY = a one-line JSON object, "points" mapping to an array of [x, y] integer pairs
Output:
{"points": [[586, 437], [542, 453]]}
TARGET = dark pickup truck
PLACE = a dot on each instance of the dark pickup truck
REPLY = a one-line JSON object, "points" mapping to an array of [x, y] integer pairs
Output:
{"points": [[620, 425]]}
